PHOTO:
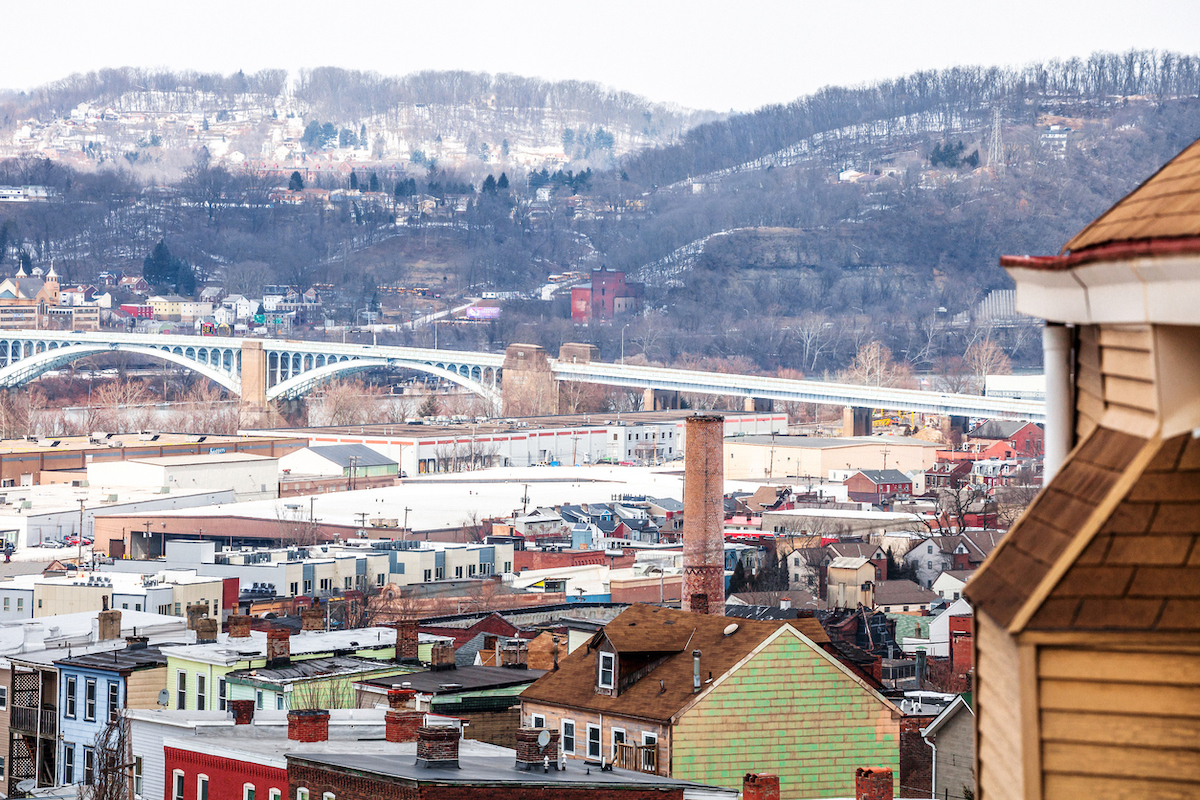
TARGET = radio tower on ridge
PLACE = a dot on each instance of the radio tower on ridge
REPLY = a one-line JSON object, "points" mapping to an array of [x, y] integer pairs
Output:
{"points": [[996, 144]]}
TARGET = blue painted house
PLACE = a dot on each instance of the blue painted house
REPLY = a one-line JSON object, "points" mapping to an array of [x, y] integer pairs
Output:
{"points": [[93, 688]]}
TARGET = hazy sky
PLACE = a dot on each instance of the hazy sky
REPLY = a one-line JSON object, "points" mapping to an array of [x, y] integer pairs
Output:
{"points": [[702, 54]]}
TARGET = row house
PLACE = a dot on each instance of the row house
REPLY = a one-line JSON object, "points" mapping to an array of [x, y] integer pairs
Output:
{"points": [[877, 486], [667, 692]]}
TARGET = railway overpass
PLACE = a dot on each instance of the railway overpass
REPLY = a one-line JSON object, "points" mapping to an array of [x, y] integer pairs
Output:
{"points": [[524, 380]]}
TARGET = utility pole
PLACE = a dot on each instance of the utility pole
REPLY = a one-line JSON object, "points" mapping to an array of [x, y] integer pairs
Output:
{"points": [[525, 500], [79, 539], [405, 531]]}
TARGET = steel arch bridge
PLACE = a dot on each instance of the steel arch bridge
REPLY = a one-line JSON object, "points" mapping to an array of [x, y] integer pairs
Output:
{"points": [[291, 369]]}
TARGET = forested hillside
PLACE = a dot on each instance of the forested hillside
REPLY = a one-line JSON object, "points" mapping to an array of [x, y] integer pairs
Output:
{"points": [[782, 239]]}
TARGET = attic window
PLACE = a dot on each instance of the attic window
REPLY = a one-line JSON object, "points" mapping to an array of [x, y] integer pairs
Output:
{"points": [[607, 668]]}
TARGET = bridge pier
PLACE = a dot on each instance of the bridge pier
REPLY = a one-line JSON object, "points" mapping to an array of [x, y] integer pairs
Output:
{"points": [[660, 399], [254, 412], [954, 429], [856, 421], [757, 404], [529, 389]]}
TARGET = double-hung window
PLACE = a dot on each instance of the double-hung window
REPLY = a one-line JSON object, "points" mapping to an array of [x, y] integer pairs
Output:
{"points": [[114, 700], [181, 690], [89, 699], [89, 766], [69, 711], [138, 782], [220, 694], [68, 763], [607, 668], [593, 741], [201, 691], [177, 779], [567, 738], [201, 787]]}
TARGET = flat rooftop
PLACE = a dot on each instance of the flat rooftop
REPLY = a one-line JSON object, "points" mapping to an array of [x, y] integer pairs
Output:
{"points": [[450, 500], [111, 441], [460, 679], [821, 443], [229, 651], [202, 458], [506, 425], [487, 768]]}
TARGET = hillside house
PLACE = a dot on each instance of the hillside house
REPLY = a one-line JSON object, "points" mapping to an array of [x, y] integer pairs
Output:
{"points": [[665, 692], [877, 486], [1025, 439], [1087, 614]]}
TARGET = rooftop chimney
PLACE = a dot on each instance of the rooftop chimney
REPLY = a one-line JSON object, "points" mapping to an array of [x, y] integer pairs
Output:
{"points": [[401, 724], [530, 754], [406, 642], [873, 783], [243, 711], [279, 647], [704, 515], [308, 725], [760, 786], [34, 637], [239, 626], [195, 613], [437, 747], [441, 656], [206, 630], [514, 655], [109, 626], [312, 619]]}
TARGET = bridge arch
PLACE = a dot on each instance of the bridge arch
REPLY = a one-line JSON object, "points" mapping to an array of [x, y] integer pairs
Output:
{"points": [[26, 369], [337, 367]]}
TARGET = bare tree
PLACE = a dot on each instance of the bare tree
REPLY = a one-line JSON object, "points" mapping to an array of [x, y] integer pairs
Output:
{"points": [[113, 760], [874, 366], [984, 357]]}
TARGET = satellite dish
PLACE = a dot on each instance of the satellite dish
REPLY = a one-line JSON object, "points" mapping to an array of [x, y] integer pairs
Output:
{"points": [[543, 738], [164, 698]]}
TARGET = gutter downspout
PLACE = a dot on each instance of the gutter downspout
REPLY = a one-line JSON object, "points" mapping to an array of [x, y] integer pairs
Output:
{"points": [[933, 770], [1056, 360]]}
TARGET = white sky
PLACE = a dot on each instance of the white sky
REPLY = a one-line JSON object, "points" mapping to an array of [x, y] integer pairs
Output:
{"points": [[699, 53]]}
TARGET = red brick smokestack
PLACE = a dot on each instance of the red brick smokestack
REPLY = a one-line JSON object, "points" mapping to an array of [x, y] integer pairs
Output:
{"points": [[704, 516]]}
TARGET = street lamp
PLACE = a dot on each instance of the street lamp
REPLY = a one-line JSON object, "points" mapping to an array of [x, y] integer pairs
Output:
{"points": [[627, 324]]}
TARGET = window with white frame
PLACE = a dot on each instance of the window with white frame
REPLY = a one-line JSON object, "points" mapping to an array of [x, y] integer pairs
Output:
{"points": [[89, 766], [279, 702], [201, 691], [220, 694], [247, 791], [302, 794], [328, 796], [258, 699], [89, 699], [178, 788], [68, 763], [114, 700], [607, 667], [537, 721], [201, 787], [180, 690], [593, 741], [618, 737], [649, 762], [274, 794], [138, 780], [567, 737]]}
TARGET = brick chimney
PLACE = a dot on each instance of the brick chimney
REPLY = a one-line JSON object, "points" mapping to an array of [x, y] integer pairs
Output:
{"points": [[515, 655], [704, 515], [401, 724], [108, 625], [760, 786], [195, 613], [308, 725], [239, 626], [873, 783], [530, 754], [312, 619], [243, 711], [279, 647], [441, 656], [206, 631], [437, 747], [406, 642]]}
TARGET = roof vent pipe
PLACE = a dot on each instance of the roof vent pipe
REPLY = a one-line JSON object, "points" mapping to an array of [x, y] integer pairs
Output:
{"points": [[695, 671]]}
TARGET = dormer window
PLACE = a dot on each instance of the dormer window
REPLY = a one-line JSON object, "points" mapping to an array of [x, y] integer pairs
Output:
{"points": [[608, 668]]}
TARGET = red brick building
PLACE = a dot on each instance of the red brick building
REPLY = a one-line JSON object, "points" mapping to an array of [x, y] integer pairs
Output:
{"points": [[877, 485], [607, 297], [1023, 439]]}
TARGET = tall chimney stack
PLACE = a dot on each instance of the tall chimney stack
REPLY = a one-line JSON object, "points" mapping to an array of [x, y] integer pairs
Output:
{"points": [[704, 516]]}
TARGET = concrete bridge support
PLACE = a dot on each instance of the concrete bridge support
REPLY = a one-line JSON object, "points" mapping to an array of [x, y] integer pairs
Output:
{"points": [[530, 389], [254, 411], [954, 429], [856, 421], [660, 399]]}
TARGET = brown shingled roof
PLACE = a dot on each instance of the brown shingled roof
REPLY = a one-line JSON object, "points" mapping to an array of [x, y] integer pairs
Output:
{"points": [[1014, 572], [1166, 206], [640, 626]]}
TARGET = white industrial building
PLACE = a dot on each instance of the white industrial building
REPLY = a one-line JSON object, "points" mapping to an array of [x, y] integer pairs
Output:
{"points": [[251, 477]]}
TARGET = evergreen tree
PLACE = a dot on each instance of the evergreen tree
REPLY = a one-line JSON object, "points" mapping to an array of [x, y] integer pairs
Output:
{"points": [[353, 181], [185, 278], [489, 185], [159, 268], [502, 184], [373, 182], [429, 408], [295, 183], [737, 581]]}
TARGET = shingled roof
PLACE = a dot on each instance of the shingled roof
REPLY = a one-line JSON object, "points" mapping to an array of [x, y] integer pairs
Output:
{"points": [[1111, 542], [1163, 207], [653, 629]]}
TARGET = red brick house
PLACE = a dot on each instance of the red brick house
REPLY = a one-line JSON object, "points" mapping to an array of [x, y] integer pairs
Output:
{"points": [[877, 485], [1024, 439], [608, 296]]}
